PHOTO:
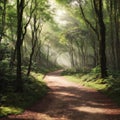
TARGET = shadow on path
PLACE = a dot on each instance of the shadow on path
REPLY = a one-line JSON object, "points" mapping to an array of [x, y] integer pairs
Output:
{"points": [[69, 101]]}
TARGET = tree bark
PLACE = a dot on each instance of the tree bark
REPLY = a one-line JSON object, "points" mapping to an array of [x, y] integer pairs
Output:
{"points": [[112, 36], [19, 82], [35, 32], [98, 4], [117, 30], [3, 20]]}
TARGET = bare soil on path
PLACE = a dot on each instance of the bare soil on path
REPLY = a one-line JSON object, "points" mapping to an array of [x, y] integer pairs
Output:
{"points": [[70, 101]]}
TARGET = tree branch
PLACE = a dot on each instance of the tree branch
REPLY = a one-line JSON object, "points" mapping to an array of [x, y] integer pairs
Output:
{"points": [[86, 20], [25, 27]]}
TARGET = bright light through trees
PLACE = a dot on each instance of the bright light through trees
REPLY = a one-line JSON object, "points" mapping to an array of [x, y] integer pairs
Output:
{"points": [[59, 13]]}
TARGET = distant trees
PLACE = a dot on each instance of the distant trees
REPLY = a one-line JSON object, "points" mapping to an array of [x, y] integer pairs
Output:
{"points": [[102, 21], [113, 7], [100, 32]]}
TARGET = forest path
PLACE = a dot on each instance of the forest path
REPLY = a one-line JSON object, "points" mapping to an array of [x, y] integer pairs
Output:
{"points": [[70, 101]]}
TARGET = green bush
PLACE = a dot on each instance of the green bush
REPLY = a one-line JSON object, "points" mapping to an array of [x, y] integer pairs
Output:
{"points": [[96, 69], [14, 103], [4, 51]]}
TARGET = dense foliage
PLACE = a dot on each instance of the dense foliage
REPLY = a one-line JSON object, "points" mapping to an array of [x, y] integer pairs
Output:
{"points": [[93, 36], [38, 35]]}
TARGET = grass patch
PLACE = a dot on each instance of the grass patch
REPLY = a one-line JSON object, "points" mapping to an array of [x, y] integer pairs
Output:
{"points": [[86, 82], [9, 110], [109, 86]]}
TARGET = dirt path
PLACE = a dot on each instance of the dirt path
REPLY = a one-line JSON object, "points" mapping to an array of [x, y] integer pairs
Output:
{"points": [[69, 101]]}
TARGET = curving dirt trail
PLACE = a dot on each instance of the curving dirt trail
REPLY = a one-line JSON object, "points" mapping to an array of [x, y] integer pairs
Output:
{"points": [[70, 101]]}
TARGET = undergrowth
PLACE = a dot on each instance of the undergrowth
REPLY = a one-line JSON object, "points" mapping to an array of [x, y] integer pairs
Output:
{"points": [[14, 103], [109, 86]]}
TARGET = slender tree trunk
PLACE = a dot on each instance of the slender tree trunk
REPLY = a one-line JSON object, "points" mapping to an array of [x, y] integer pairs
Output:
{"points": [[30, 62], [34, 41], [117, 42], [3, 20], [83, 58], [98, 4], [35, 33], [112, 36], [19, 82], [102, 42], [79, 54], [48, 54], [95, 58], [72, 54]]}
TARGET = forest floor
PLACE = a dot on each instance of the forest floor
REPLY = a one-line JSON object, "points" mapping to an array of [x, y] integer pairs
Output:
{"points": [[69, 101]]}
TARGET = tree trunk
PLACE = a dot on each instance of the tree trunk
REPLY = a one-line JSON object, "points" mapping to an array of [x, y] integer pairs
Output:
{"points": [[19, 82], [3, 20], [48, 54], [98, 4], [117, 42], [30, 62], [35, 31], [72, 53], [112, 36], [34, 41]]}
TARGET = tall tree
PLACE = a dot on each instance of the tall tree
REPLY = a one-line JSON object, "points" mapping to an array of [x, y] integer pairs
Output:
{"points": [[111, 27], [40, 15], [3, 19], [20, 8], [98, 5], [36, 31], [116, 7], [20, 37]]}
